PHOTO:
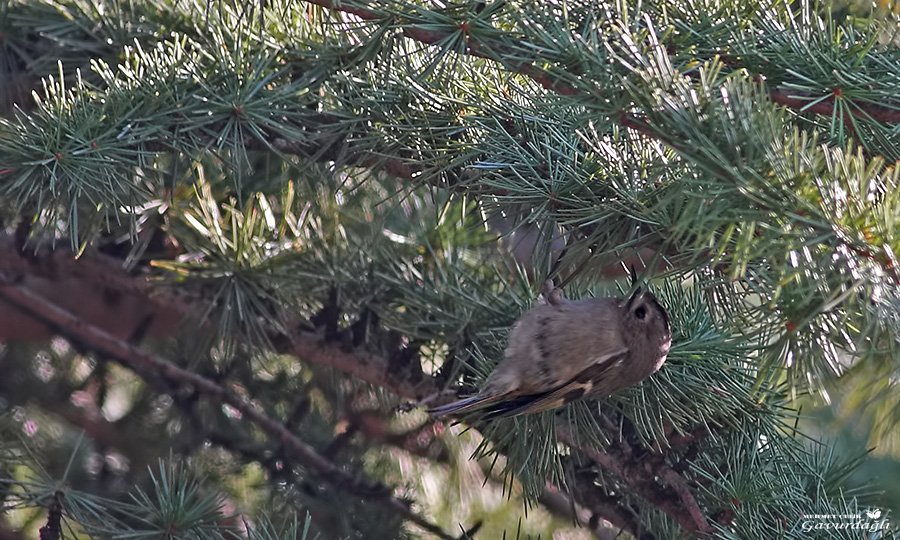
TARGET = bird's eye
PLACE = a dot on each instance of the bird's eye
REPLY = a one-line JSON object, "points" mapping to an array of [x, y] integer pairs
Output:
{"points": [[640, 312]]}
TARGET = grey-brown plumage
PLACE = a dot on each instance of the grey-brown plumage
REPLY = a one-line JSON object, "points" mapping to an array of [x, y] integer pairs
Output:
{"points": [[564, 350]]}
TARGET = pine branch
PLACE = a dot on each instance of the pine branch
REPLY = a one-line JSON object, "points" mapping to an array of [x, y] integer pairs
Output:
{"points": [[135, 358], [683, 508], [831, 105], [511, 58], [371, 368]]}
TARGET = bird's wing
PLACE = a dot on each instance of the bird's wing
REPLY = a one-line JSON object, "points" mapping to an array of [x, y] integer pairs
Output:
{"points": [[586, 381], [553, 344]]}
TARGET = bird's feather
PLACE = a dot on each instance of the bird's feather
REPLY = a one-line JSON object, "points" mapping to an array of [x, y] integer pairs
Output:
{"points": [[462, 405], [590, 380]]}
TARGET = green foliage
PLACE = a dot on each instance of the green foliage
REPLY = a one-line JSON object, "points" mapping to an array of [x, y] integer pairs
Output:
{"points": [[338, 171], [176, 504]]}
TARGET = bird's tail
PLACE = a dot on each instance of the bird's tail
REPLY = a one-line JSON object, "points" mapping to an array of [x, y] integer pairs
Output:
{"points": [[461, 406], [502, 406]]}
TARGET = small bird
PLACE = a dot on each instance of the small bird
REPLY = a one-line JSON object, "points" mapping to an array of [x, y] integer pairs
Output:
{"points": [[564, 350]]}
